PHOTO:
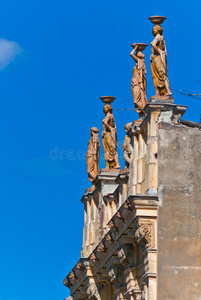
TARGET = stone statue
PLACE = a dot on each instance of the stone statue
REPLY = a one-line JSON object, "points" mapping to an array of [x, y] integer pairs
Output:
{"points": [[159, 59], [92, 156], [109, 139], [127, 148], [138, 83]]}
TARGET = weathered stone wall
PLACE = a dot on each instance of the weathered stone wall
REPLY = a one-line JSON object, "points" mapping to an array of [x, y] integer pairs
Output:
{"points": [[179, 215]]}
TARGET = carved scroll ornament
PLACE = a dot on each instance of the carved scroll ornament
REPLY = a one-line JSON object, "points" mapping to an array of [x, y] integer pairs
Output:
{"points": [[143, 234]]}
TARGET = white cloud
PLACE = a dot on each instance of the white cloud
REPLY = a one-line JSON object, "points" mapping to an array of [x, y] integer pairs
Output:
{"points": [[8, 52]]}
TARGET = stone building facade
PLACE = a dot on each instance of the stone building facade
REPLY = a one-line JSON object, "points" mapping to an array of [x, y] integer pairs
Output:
{"points": [[142, 226]]}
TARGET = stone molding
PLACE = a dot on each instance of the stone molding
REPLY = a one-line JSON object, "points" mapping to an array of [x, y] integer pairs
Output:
{"points": [[127, 230]]}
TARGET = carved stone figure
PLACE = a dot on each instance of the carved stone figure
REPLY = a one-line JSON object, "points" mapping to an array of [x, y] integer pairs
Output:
{"points": [[92, 156], [138, 83], [109, 139], [92, 291], [159, 59], [127, 148]]}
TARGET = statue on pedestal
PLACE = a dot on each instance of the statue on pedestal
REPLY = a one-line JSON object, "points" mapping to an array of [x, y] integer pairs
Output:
{"points": [[92, 156], [138, 83], [109, 135], [159, 59], [127, 148]]}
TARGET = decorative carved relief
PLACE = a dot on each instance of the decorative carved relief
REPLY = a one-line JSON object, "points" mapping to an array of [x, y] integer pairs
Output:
{"points": [[144, 233], [128, 205], [126, 254], [118, 215], [72, 278], [100, 250], [111, 224], [113, 229], [116, 275], [67, 283], [93, 290], [79, 266], [109, 240], [93, 259], [101, 247]]}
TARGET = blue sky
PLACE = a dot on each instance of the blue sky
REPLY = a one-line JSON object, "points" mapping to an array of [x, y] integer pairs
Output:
{"points": [[56, 60]]}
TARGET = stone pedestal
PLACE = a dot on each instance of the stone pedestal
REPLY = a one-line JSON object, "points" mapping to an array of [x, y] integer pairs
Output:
{"points": [[100, 206], [144, 140]]}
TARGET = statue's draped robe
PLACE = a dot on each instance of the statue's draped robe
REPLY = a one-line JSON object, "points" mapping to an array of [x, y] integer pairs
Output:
{"points": [[127, 148], [159, 64], [138, 85], [92, 157], [109, 139]]}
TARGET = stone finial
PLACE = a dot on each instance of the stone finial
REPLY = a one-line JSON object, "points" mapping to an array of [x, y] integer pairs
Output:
{"points": [[159, 59], [127, 146], [92, 156], [109, 135], [138, 83]]}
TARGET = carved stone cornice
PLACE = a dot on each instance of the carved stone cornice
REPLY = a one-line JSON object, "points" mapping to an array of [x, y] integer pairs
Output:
{"points": [[79, 267], [109, 175], [70, 280], [119, 216], [113, 229], [76, 273], [122, 177], [67, 283], [127, 205], [100, 250], [176, 110], [93, 259], [108, 240], [143, 200], [111, 224], [112, 196]]}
